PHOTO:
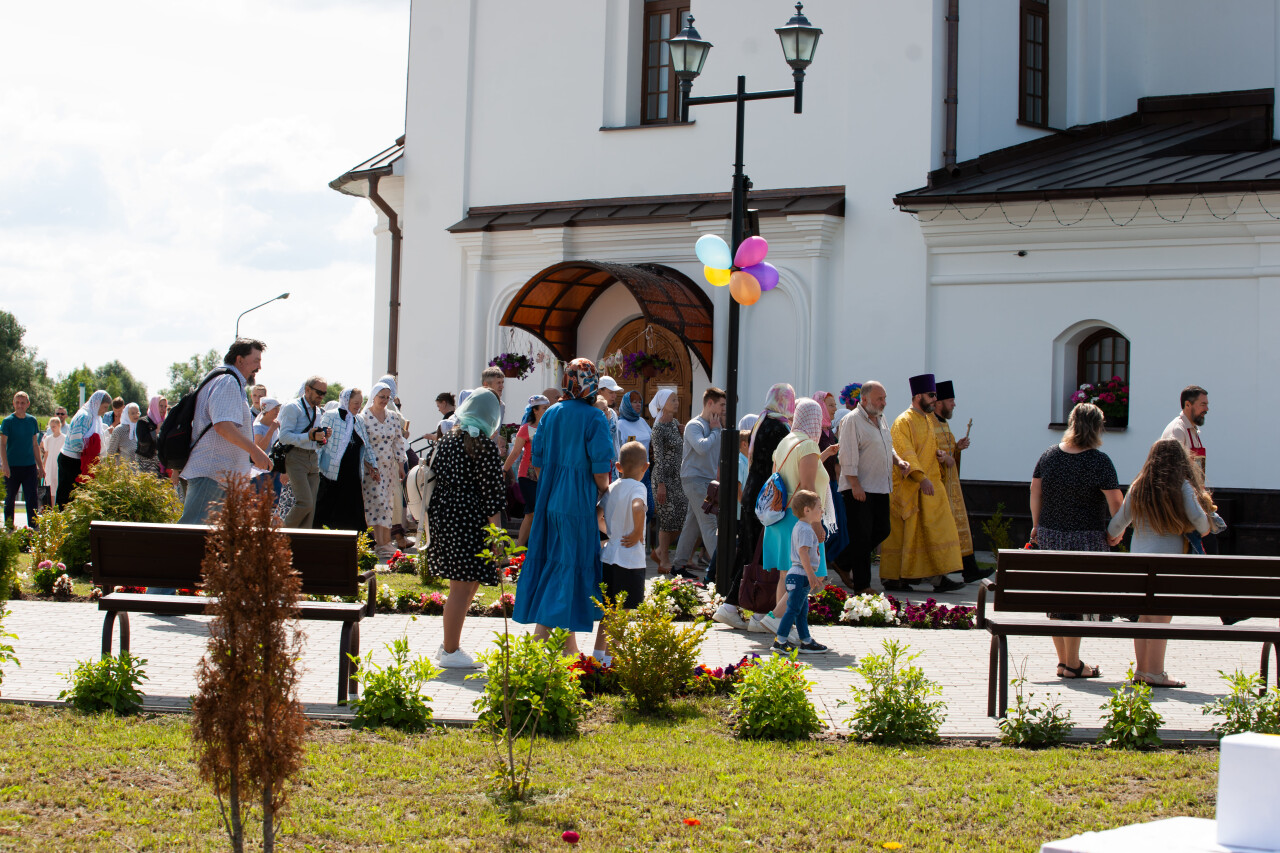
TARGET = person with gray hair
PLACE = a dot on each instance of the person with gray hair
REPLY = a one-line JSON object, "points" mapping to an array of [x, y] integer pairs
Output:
{"points": [[124, 438], [301, 431]]}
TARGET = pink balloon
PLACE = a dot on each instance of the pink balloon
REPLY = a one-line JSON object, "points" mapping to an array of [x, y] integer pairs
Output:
{"points": [[751, 252], [765, 273]]}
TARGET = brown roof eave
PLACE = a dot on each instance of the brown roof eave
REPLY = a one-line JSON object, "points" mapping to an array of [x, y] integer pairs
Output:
{"points": [[339, 183], [928, 199]]}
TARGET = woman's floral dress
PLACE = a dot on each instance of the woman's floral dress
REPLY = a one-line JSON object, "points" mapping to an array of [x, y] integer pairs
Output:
{"points": [[386, 439]]}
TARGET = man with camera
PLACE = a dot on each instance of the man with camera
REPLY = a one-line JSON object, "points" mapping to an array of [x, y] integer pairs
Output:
{"points": [[301, 432]]}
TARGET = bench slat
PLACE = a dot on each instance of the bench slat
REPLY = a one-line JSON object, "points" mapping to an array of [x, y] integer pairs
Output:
{"points": [[333, 611], [1138, 605], [1136, 630], [1121, 563], [1140, 584]]}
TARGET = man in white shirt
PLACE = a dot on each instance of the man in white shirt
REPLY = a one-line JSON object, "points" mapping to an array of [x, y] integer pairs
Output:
{"points": [[1186, 426]]}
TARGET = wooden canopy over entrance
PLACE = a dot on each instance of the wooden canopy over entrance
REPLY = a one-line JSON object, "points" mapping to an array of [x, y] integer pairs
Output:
{"points": [[552, 304]]}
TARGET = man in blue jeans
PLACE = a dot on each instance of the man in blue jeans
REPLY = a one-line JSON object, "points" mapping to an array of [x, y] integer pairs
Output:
{"points": [[19, 453]]}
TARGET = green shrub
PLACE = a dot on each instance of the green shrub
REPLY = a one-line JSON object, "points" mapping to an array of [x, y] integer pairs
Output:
{"points": [[540, 684], [391, 695], [1033, 724], [6, 650], [1129, 721], [10, 558], [46, 575], [48, 535], [896, 705], [653, 658], [772, 702], [108, 684], [996, 529], [366, 559], [1244, 709], [117, 492]]}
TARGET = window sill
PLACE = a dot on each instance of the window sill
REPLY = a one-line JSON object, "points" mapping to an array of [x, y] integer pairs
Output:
{"points": [[1060, 427], [650, 126], [1032, 124]]}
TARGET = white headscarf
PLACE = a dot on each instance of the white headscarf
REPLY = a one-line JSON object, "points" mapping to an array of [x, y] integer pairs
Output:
{"points": [[390, 382], [91, 422], [265, 405], [374, 391], [346, 422], [133, 425], [659, 400]]}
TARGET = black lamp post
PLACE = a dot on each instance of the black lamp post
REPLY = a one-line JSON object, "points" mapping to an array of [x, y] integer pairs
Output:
{"points": [[688, 54], [255, 308]]}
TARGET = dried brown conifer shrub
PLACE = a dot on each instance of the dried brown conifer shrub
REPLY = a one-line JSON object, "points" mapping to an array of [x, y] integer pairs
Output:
{"points": [[248, 723]]}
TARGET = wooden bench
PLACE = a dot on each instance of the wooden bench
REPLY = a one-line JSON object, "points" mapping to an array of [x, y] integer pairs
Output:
{"points": [[169, 556], [1125, 585]]}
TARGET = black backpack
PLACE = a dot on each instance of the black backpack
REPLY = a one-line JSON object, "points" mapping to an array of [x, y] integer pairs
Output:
{"points": [[146, 438], [174, 443]]}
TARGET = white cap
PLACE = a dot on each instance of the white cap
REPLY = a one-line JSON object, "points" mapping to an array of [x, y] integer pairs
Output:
{"points": [[609, 383]]}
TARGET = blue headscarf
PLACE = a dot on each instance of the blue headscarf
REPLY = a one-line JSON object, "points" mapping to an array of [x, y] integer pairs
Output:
{"points": [[627, 408], [535, 400]]}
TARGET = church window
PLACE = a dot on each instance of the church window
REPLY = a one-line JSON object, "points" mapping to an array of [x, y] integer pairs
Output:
{"points": [[663, 19], [1033, 63]]}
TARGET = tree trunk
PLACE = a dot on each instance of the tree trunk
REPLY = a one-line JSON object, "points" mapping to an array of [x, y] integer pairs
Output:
{"points": [[233, 796], [268, 819]]}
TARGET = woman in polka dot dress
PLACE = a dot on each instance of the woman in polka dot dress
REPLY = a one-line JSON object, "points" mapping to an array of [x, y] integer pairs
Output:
{"points": [[386, 438]]}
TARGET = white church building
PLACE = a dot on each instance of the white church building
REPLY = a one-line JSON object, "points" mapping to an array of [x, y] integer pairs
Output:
{"points": [[1017, 195]]}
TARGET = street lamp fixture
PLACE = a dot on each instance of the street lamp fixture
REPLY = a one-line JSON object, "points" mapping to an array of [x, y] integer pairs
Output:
{"points": [[688, 54], [255, 308]]}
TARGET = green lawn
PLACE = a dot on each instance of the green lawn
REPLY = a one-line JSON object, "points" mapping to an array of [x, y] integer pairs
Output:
{"points": [[69, 782]]}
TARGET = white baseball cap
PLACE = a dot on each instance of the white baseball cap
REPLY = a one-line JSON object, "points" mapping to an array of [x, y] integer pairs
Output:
{"points": [[609, 383]]}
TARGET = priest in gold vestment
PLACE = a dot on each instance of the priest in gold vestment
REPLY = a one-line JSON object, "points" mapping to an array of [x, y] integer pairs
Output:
{"points": [[923, 543], [950, 447]]}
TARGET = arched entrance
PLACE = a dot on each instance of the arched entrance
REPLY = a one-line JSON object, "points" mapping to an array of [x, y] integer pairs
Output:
{"points": [[658, 341]]}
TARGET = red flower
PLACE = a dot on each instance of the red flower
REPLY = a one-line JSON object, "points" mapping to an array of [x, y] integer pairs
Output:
{"points": [[692, 821], [570, 836]]}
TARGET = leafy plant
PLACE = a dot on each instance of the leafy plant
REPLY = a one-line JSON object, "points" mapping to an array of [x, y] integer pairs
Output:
{"points": [[49, 534], [653, 658], [871, 610], [1243, 708], [996, 529], [634, 363], [1129, 721], [1031, 724], [62, 587], [391, 695], [1112, 396], [6, 650], [46, 575], [896, 706], [366, 558], [540, 682], [772, 702], [513, 362], [681, 596], [108, 684], [10, 557], [117, 492]]}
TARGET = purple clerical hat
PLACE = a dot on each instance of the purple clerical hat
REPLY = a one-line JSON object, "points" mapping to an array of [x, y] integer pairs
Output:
{"points": [[922, 384]]}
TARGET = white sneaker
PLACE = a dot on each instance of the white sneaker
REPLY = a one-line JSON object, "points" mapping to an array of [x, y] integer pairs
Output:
{"points": [[457, 659], [756, 625], [793, 638], [727, 614], [770, 622]]}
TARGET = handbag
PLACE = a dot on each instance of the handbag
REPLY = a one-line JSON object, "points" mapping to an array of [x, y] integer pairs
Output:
{"points": [[711, 503], [758, 589], [771, 504]]}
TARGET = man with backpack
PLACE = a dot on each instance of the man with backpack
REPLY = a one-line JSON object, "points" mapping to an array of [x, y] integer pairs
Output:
{"points": [[221, 433]]}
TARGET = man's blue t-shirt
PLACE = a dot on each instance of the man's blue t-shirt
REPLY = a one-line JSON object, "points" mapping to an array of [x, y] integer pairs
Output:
{"points": [[19, 432]]}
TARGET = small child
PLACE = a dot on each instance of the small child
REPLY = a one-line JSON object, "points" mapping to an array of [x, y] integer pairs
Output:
{"points": [[622, 509], [801, 577]]}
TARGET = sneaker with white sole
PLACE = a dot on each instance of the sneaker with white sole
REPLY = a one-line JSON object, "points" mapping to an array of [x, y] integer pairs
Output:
{"points": [[756, 624], [457, 659], [781, 648], [727, 614], [770, 622], [813, 647]]}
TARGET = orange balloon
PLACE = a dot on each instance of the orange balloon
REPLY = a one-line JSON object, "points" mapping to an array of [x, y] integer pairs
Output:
{"points": [[744, 287]]}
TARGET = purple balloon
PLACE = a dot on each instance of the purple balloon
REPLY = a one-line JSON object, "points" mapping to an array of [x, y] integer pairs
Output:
{"points": [[750, 252], [765, 273]]}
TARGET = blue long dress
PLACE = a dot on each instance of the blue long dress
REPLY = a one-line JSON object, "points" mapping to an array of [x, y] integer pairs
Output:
{"points": [[562, 570]]}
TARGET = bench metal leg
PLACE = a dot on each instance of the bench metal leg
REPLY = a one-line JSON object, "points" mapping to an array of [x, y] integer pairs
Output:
{"points": [[348, 647], [108, 623], [353, 683], [1004, 675], [992, 680], [1264, 667]]}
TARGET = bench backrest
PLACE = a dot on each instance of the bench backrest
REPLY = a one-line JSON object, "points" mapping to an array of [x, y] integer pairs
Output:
{"points": [[1136, 584], [169, 555]]}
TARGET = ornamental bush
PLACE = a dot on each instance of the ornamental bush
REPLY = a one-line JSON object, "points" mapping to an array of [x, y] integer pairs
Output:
{"points": [[772, 702], [897, 705], [108, 684], [540, 683], [10, 557], [1128, 720], [654, 659], [117, 492], [1033, 724], [391, 695], [46, 575], [1244, 710]]}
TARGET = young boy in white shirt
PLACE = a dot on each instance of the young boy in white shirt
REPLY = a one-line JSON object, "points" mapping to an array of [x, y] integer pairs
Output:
{"points": [[801, 577], [623, 508]]}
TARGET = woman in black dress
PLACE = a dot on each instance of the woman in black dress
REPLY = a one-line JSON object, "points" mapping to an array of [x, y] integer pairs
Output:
{"points": [[340, 501], [469, 494]]}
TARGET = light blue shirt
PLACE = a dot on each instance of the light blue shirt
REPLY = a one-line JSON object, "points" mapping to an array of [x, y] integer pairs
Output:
{"points": [[296, 422]]}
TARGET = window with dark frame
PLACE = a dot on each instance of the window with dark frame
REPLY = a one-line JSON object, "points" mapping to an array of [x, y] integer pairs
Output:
{"points": [[663, 19], [1101, 356], [1033, 63]]}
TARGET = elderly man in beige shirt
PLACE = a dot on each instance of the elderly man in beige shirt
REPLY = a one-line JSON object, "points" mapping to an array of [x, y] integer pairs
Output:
{"points": [[866, 463]]}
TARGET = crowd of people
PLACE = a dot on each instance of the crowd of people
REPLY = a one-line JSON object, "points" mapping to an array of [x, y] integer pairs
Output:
{"points": [[824, 482]]}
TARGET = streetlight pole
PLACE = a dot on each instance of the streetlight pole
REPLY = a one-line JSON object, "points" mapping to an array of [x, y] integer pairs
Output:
{"points": [[255, 308], [688, 53]]}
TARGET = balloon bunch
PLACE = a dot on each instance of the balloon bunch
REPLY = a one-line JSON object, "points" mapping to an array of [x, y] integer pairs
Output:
{"points": [[746, 273]]}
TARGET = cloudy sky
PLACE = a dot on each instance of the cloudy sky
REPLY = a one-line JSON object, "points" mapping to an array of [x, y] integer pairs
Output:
{"points": [[165, 166]]}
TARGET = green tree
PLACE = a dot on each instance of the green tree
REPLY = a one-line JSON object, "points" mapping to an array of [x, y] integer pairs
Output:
{"points": [[184, 376], [113, 377], [334, 392], [67, 391], [21, 369]]}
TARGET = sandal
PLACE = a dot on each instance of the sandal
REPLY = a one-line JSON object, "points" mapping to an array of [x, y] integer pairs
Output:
{"points": [[1079, 671], [1160, 679]]}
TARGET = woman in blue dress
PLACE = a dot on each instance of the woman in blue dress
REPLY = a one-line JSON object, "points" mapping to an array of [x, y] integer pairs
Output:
{"points": [[562, 570]]}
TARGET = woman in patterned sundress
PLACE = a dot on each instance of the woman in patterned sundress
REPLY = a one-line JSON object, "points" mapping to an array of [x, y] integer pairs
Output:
{"points": [[386, 438], [667, 448]]}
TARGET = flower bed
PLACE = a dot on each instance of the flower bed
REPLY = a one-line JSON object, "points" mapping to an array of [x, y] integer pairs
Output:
{"points": [[597, 679]]}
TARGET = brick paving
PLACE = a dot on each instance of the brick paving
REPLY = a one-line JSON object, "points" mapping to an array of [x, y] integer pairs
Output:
{"points": [[52, 636]]}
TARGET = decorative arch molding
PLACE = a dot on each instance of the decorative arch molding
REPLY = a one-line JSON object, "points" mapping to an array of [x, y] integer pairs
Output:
{"points": [[1066, 347], [553, 302]]}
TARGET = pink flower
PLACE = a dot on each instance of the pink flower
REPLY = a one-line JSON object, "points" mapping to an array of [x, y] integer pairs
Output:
{"points": [[570, 836]]}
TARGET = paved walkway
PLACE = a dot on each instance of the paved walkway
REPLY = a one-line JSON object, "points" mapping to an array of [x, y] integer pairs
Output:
{"points": [[52, 636]]}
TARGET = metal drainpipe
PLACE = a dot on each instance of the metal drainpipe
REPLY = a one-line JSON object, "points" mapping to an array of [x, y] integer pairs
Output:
{"points": [[953, 75], [393, 323]]}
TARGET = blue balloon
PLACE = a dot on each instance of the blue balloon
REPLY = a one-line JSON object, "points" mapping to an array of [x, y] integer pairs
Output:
{"points": [[713, 252]]}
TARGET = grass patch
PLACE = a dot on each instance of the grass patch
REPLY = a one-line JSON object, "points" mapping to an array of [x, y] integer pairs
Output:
{"points": [[70, 782]]}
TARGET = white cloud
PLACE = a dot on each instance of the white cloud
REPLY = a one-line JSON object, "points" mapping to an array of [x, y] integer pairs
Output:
{"points": [[166, 167]]}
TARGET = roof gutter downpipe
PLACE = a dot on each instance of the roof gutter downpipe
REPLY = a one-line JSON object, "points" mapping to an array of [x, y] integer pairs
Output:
{"points": [[953, 75], [393, 322]]}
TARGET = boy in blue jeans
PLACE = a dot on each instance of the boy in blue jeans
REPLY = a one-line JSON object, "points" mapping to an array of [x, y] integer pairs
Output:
{"points": [[801, 578]]}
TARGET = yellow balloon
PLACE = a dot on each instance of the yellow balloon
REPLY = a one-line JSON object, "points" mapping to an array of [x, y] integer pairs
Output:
{"points": [[744, 287], [716, 277]]}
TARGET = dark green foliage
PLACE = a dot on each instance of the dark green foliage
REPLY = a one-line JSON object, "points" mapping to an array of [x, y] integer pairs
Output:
{"points": [[1129, 721], [110, 684], [539, 681], [1243, 708], [772, 702], [896, 706], [391, 695], [117, 492]]}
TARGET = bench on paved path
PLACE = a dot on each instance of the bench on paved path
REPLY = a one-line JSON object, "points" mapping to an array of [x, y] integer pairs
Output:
{"points": [[169, 556], [1127, 585]]}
